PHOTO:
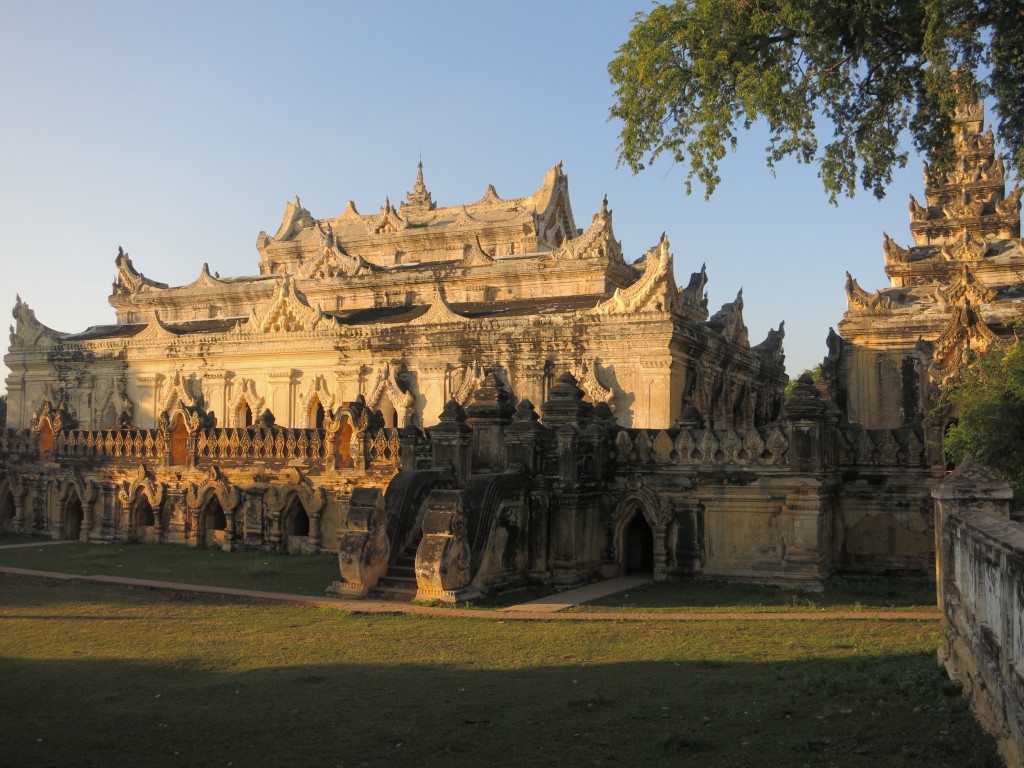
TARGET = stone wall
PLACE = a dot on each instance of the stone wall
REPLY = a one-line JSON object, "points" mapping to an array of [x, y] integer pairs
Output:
{"points": [[980, 569]]}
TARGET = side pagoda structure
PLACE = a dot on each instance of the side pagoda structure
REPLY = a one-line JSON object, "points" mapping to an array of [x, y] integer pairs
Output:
{"points": [[955, 292]]}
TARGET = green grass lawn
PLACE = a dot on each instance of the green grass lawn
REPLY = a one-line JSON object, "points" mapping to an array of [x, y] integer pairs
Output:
{"points": [[106, 676], [840, 594], [300, 575]]}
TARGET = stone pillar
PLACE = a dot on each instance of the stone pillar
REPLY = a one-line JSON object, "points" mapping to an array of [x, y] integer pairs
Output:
{"points": [[282, 398], [215, 390], [806, 414], [523, 438], [148, 414], [451, 441], [488, 413]]}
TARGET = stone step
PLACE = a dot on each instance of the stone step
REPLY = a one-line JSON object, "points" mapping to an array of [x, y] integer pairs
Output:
{"points": [[394, 593], [397, 582]]}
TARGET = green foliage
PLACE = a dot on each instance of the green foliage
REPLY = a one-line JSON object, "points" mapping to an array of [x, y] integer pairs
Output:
{"points": [[814, 372], [988, 401], [3, 411], [694, 71]]}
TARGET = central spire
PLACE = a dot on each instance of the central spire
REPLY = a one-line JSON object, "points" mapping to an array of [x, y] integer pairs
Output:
{"points": [[419, 200]]}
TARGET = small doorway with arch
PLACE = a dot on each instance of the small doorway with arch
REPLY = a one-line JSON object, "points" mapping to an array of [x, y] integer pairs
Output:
{"points": [[637, 548], [212, 525], [8, 511], [142, 522], [72, 519], [294, 527]]}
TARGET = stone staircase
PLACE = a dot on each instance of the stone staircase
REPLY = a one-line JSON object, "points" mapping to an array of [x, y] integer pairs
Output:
{"points": [[399, 583]]}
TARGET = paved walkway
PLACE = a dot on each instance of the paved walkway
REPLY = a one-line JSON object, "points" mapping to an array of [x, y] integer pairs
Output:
{"points": [[544, 608]]}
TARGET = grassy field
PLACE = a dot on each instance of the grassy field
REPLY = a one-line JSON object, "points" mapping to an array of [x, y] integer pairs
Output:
{"points": [[840, 594], [105, 676], [300, 575], [311, 575]]}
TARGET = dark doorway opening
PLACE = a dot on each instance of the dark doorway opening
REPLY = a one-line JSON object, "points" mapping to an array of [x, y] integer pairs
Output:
{"points": [[73, 517], [638, 545]]}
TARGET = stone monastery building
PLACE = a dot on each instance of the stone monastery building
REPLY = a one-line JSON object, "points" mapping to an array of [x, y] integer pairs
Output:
{"points": [[456, 399]]}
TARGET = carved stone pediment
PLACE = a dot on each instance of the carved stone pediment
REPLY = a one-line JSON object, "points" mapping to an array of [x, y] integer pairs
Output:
{"points": [[967, 247], [587, 379], [156, 330], [965, 334], [654, 291], [598, 242], [440, 313], [129, 280], [964, 291], [475, 255], [287, 312], [729, 321], [205, 280], [894, 254], [28, 330]]}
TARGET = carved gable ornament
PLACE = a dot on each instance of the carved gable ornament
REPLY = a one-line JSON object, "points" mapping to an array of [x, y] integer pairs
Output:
{"points": [[440, 312], [654, 291], [598, 242], [967, 247], [966, 334], [129, 280], [28, 330], [387, 382], [858, 298], [287, 312]]}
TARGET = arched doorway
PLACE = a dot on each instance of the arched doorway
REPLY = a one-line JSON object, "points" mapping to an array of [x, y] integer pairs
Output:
{"points": [[143, 520], [294, 527], [213, 524], [71, 524], [7, 509], [637, 545], [318, 416]]}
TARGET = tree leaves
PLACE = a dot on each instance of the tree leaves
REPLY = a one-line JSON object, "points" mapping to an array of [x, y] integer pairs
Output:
{"points": [[694, 72]]}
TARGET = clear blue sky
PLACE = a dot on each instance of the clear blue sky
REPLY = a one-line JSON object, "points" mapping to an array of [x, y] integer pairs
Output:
{"points": [[179, 130]]}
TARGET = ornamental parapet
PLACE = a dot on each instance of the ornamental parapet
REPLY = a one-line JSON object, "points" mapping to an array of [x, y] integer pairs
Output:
{"points": [[15, 442], [748, 447]]}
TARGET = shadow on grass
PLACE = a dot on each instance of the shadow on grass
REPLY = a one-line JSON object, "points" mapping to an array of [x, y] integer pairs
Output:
{"points": [[894, 710]]}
